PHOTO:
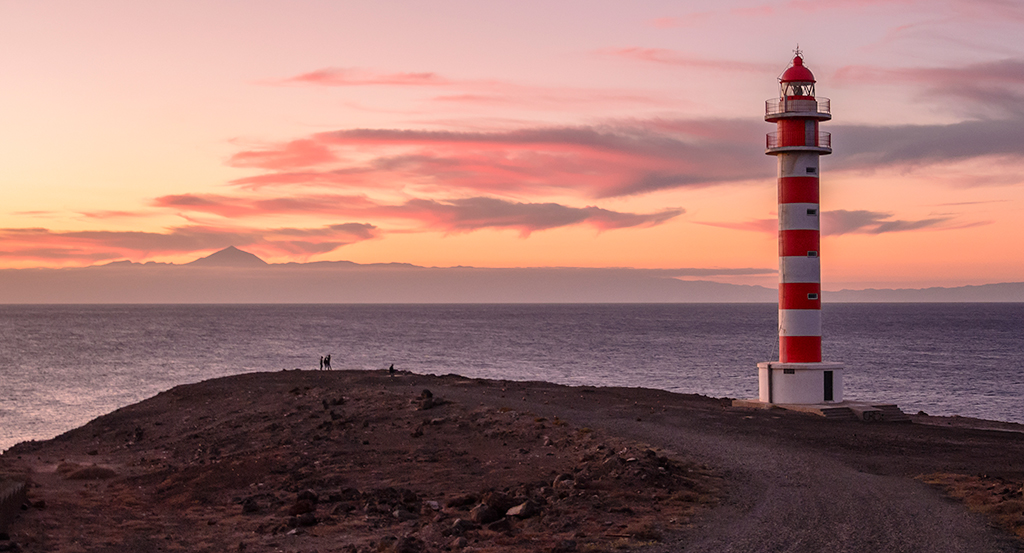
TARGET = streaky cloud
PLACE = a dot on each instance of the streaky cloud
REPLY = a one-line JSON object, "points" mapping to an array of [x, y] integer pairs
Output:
{"points": [[453, 215], [630, 158], [336, 76], [840, 221], [46, 246]]}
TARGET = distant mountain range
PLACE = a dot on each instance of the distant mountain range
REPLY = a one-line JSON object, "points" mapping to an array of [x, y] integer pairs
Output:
{"points": [[235, 276]]}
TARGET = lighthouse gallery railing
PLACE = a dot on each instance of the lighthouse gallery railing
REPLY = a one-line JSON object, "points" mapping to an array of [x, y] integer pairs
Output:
{"points": [[776, 106], [775, 140]]}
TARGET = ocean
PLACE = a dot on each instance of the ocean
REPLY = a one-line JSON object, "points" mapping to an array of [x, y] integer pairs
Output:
{"points": [[63, 365]]}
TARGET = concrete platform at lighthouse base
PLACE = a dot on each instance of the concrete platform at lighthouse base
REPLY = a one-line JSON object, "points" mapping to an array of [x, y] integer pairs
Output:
{"points": [[843, 410]]}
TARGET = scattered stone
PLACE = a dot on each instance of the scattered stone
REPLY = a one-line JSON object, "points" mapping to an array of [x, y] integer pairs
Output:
{"points": [[307, 519], [499, 501], [462, 501], [458, 543], [301, 506], [501, 525], [483, 514], [461, 526], [408, 544], [525, 509], [309, 495], [250, 505], [402, 515]]}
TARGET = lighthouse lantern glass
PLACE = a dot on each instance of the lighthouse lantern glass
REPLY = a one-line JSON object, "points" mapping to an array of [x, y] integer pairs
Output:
{"points": [[798, 88]]}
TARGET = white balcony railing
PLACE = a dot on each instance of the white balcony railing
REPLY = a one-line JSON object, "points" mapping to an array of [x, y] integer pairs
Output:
{"points": [[778, 106], [774, 140]]}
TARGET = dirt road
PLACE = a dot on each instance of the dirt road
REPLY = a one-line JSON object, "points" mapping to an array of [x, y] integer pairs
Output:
{"points": [[798, 483]]}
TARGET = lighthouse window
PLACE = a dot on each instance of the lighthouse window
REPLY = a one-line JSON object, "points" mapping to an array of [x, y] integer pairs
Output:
{"points": [[812, 296], [788, 371], [812, 254], [812, 211], [811, 169]]}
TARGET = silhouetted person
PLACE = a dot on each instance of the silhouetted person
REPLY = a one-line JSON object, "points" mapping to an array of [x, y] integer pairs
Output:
{"points": [[391, 370], [327, 362], [321, 362]]}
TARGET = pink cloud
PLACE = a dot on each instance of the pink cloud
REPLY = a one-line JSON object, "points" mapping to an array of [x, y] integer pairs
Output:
{"points": [[985, 86], [231, 206], [333, 76], [840, 221], [754, 225], [590, 162], [46, 246], [458, 215], [297, 153], [677, 59], [477, 213]]}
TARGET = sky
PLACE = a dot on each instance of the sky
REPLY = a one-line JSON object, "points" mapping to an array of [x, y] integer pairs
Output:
{"points": [[510, 134]]}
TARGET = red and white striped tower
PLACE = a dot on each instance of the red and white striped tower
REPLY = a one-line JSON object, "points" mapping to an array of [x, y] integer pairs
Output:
{"points": [[799, 376]]}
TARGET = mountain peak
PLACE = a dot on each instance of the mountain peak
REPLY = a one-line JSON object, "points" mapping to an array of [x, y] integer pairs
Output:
{"points": [[229, 257]]}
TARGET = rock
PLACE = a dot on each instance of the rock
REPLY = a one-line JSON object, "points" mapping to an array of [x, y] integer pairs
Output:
{"points": [[458, 543], [301, 506], [408, 544], [250, 505], [483, 514], [307, 519], [462, 501], [461, 526], [344, 507], [525, 509], [501, 525], [433, 505], [309, 495], [403, 515], [564, 481], [499, 501]]}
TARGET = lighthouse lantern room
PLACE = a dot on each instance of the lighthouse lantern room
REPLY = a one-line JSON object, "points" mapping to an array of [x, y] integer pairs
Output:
{"points": [[799, 376]]}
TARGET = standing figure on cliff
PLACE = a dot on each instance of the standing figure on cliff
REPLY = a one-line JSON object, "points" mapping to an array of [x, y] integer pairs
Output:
{"points": [[327, 362], [321, 362], [391, 370]]}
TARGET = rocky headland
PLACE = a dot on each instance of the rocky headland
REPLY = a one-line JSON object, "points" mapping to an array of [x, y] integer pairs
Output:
{"points": [[367, 461]]}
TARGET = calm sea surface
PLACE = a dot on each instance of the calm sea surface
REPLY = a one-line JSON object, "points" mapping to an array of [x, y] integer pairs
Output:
{"points": [[61, 366]]}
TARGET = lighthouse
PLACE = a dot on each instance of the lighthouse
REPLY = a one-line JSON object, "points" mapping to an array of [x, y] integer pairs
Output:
{"points": [[799, 376]]}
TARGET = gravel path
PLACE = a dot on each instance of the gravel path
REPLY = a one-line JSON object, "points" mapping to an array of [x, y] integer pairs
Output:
{"points": [[784, 497]]}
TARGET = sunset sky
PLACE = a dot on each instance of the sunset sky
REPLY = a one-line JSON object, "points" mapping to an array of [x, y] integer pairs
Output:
{"points": [[510, 134]]}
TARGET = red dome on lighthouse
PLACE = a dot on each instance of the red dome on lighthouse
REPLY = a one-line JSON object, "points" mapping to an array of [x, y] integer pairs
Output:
{"points": [[797, 72]]}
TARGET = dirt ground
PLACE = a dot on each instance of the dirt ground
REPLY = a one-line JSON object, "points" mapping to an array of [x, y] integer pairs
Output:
{"points": [[364, 461]]}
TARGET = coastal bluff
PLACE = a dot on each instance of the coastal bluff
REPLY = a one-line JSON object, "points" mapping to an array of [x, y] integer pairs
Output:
{"points": [[367, 461]]}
